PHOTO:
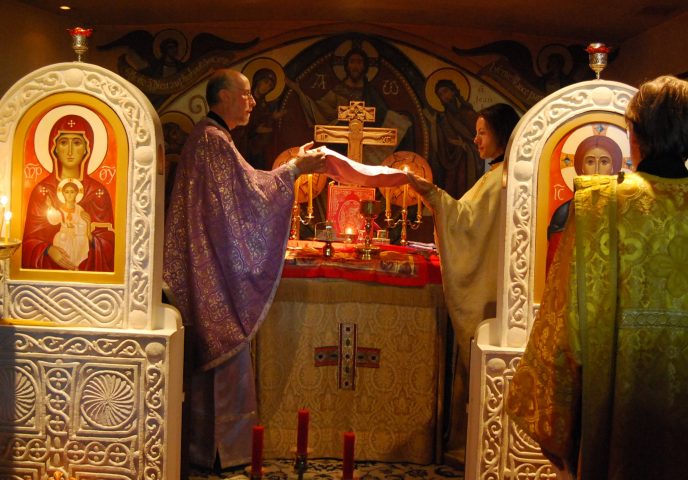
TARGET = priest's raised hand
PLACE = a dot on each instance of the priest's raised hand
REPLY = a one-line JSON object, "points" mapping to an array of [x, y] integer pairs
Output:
{"points": [[309, 160]]}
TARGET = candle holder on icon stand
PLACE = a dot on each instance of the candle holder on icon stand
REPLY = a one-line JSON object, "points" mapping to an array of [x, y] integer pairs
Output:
{"points": [[597, 57], [404, 220], [7, 248], [369, 209], [80, 41]]}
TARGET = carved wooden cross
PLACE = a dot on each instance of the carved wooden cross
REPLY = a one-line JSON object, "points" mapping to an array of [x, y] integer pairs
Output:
{"points": [[355, 135], [347, 356]]}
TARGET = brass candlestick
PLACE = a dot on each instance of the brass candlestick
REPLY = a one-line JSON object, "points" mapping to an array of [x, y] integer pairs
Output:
{"points": [[404, 220], [369, 209], [297, 220]]}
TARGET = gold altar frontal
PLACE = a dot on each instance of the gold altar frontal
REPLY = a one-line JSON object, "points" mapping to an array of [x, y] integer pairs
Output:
{"points": [[362, 357]]}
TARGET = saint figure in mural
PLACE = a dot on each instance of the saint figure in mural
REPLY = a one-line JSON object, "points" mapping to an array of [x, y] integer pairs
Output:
{"points": [[68, 205], [354, 85], [256, 140], [455, 161]]}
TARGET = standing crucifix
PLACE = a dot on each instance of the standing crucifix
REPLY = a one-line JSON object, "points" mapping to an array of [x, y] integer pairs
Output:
{"points": [[355, 135]]}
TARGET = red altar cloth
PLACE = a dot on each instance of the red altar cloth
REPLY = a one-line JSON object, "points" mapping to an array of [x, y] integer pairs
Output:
{"points": [[395, 265]]}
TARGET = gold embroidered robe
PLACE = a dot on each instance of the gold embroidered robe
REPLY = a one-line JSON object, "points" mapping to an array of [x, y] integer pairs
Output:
{"points": [[603, 383]]}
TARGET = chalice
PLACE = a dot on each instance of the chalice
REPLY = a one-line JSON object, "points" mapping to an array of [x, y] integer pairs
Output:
{"points": [[369, 210]]}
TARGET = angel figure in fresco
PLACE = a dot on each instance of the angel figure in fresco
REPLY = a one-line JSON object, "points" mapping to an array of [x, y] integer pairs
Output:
{"points": [[165, 63], [528, 77], [69, 196], [256, 140], [455, 160]]}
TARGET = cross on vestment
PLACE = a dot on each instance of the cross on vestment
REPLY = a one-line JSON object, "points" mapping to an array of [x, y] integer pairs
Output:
{"points": [[356, 134], [347, 356]]}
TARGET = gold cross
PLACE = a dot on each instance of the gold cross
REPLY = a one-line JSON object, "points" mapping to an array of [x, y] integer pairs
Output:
{"points": [[355, 135]]}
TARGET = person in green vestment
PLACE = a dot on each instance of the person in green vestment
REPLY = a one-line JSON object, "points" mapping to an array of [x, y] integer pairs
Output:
{"points": [[603, 386]]}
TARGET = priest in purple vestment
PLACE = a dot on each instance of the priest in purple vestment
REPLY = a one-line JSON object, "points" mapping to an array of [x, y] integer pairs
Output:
{"points": [[226, 234]]}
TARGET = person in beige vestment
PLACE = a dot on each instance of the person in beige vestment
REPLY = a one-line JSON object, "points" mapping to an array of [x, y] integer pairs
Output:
{"points": [[467, 232], [603, 386]]}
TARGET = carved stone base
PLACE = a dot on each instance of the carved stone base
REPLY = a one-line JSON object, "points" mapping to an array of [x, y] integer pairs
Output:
{"points": [[92, 403]]}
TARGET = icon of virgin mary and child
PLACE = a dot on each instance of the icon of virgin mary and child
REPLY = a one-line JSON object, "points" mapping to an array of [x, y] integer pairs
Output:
{"points": [[69, 216]]}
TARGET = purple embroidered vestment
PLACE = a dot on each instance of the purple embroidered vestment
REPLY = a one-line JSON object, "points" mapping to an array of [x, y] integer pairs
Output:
{"points": [[225, 238]]}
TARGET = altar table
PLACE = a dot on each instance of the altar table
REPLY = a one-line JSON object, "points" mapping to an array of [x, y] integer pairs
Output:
{"points": [[361, 356]]}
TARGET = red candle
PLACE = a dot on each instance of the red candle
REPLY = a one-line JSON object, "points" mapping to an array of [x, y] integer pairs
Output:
{"points": [[302, 432], [348, 468], [257, 451]]}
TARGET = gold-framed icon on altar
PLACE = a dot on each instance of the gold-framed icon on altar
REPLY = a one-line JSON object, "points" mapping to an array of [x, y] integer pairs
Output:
{"points": [[344, 208]]}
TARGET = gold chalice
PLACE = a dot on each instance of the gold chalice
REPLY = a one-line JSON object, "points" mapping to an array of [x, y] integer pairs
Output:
{"points": [[369, 209]]}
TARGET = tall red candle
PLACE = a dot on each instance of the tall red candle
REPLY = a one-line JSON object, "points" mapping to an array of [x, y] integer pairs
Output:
{"points": [[257, 451], [348, 467], [302, 432]]}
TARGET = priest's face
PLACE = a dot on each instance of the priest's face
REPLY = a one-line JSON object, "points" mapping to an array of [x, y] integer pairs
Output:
{"points": [[240, 102], [485, 140]]}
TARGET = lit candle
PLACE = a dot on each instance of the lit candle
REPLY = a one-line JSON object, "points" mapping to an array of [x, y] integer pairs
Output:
{"points": [[302, 432], [8, 217], [388, 207], [403, 198], [257, 451], [310, 191], [3, 204], [348, 457], [419, 215]]}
